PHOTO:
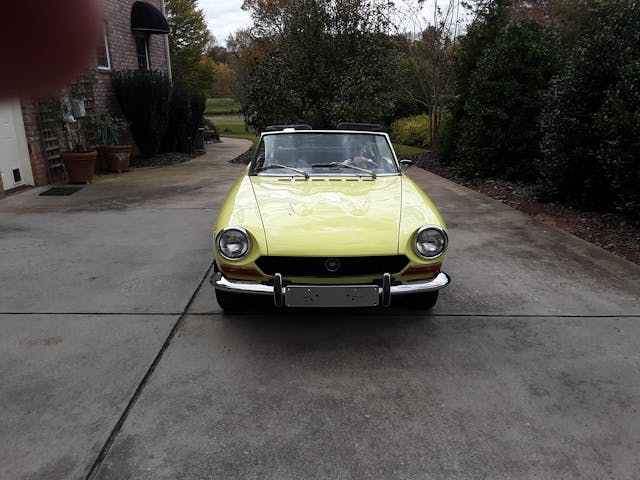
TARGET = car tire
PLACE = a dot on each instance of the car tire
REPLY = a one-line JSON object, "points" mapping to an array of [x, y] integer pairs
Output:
{"points": [[229, 301], [423, 301]]}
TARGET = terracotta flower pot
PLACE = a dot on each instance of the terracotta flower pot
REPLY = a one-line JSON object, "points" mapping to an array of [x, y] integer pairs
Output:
{"points": [[80, 166], [116, 157]]}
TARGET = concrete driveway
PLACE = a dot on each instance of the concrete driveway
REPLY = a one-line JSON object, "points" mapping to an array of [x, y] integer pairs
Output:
{"points": [[116, 362]]}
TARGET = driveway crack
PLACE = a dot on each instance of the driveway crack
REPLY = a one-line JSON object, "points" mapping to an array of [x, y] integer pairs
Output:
{"points": [[95, 466]]}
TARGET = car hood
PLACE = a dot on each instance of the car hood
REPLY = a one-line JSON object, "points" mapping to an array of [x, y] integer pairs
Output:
{"points": [[329, 216]]}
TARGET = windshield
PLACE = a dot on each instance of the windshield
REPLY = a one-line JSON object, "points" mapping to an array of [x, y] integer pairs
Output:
{"points": [[325, 154]]}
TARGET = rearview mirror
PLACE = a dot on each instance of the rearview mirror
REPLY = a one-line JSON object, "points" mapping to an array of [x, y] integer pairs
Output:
{"points": [[405, 164]]}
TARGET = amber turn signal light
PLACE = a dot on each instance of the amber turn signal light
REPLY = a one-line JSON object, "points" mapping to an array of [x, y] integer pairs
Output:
{"points": [[430, 270], [244, 271]]}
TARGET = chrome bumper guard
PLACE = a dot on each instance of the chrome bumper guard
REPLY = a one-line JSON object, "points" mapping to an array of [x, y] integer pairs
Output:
{"points": [[386, 291]]}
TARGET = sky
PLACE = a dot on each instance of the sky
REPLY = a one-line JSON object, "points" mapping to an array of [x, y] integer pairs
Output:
{"points": [[224, 17]]}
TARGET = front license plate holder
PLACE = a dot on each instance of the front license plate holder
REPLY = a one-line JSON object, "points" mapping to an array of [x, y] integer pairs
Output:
{"points": [[331, 296]]}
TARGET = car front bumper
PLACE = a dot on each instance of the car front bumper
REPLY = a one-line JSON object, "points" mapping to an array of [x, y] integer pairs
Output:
{"points": [[279, 291]]}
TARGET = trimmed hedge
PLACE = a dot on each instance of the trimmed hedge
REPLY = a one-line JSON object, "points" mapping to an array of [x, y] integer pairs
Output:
{"points": [[144, 98], [187, 108], [163, 117], [198, 103], [178, 136]]}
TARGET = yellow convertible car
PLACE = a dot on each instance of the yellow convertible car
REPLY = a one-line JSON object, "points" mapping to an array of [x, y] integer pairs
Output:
{"points": [[327, 218]]}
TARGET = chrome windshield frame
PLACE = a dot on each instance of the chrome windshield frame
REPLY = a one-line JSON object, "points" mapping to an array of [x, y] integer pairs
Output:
{"points": [[263, 135]]}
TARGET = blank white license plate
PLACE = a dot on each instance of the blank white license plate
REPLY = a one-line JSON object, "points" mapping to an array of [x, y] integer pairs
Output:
{"points": [[331, 296]]}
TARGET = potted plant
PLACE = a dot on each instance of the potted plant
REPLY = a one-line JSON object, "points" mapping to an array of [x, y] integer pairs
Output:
{"points": [[79, 157], [114, 151]]}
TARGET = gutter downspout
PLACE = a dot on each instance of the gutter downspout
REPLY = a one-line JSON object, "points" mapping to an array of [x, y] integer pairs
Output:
{"points": [[166, 43]]}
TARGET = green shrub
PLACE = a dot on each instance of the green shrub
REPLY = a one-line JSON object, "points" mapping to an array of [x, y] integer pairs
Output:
{"points": [[178, 136], [490, 18], [144, 98], [198, 103], [585, 141], [412, 131], [499, 134], [187, 106], [619, 125]]}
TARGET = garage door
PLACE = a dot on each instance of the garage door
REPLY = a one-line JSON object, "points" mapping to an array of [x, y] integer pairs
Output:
{"points": [[15, 167]]}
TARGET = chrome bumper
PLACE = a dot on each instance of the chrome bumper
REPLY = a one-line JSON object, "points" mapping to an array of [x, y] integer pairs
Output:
{"points": [[420, 286]]}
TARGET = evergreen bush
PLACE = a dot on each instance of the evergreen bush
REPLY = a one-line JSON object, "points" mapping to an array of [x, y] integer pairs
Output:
{"points": [[500, 133], [187, 108], [587, 146], [198, 103], [144, 97], [179, 132], [619, 125]]}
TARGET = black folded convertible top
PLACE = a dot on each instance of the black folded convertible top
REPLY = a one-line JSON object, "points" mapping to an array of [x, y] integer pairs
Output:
{"points": [[279, 128], [362, 127]]}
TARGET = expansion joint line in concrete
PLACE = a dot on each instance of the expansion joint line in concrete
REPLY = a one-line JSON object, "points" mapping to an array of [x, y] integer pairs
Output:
{"points": [[382, 313], [95, 467], [100, 314], [447, 315]]}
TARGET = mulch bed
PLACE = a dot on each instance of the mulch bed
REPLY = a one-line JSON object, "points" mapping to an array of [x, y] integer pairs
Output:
{"points": [[613, 232], [245, 158], [162, 159]]}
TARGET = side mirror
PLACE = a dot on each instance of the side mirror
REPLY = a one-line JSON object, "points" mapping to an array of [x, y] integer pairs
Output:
{"points": [[405, 164]]}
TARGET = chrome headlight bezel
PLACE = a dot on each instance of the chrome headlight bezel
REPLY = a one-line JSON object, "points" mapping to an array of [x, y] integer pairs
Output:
{"points": [[241, 230], [440, 231]]}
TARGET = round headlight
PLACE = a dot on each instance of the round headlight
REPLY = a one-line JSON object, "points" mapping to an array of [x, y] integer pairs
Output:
{"points": [[431, 241], [233, 243]]}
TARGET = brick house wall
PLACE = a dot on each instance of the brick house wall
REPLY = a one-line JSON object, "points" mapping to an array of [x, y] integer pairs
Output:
{"points": [[123, 56], [122, 50]]}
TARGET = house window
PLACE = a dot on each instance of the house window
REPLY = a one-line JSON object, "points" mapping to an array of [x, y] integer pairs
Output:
{"points": [[142, 49], [104, 61]]}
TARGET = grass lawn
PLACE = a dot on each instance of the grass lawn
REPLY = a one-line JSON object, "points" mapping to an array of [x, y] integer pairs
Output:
{"points": [[248, 136], [218, 106], [228, 123], [407, 150], [233, 126]]}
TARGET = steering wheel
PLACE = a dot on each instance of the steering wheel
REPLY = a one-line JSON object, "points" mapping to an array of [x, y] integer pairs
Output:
{"points": [[361, 162]]}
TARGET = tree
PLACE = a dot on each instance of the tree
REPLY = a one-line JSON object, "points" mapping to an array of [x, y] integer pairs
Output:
{"points": [[574, 19], [426, 56], [318, 62], [490, 17], [188, 41], [224, 84], [218, 53]]}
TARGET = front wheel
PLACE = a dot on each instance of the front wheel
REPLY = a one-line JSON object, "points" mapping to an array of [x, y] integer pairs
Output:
{"points": [[425, 301], [229, 301]]}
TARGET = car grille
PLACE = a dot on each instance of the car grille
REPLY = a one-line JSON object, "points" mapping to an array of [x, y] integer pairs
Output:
{"points": [[317, 266]]}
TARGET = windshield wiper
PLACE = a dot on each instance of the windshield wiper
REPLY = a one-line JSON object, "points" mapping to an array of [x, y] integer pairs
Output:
{"points": [[293, 169], [343, 165]]}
